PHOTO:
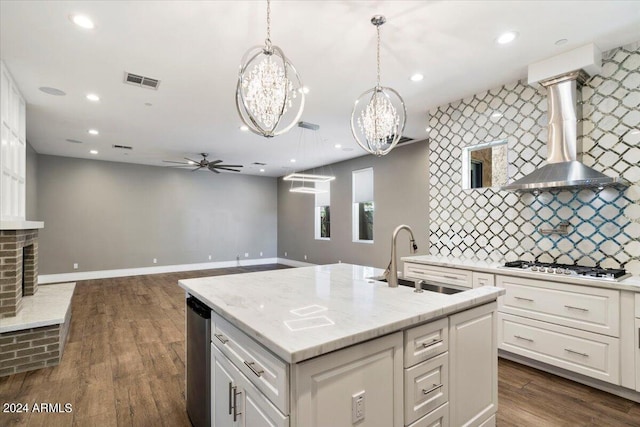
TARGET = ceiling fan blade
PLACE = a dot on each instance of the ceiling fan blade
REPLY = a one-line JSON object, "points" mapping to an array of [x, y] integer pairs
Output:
{"points": [[229, 166], [227, 169], [180, 163], [215, 162], [180, 166], [213, 170], [196, 169], [197, 163]]}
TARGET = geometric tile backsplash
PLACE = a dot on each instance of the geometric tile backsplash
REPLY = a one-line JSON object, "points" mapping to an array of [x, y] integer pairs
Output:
{"points": [[489, 223]]}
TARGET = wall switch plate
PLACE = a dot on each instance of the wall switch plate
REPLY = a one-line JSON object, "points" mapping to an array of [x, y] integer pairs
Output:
{"points": [[357, 407], [260, 253], [285, 254], [305, 257], [209, 257], [155, 260], [246, 254], [75, 265]]}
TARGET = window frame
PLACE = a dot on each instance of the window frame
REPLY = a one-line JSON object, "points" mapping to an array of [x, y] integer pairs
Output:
{"points": [[355, 206]]}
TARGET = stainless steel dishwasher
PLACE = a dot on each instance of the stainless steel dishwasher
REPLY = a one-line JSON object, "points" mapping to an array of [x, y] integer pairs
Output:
{"points": [[198, 363]]}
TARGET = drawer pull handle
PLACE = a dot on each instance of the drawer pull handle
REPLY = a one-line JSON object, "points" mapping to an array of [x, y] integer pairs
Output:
{"points": [[430, 343], [576, 308], [450, 277], [434, 388], [221, 337], [235, 404], [254, 370], [523, 338], [524, 299], [230, 394], [568, 350]]}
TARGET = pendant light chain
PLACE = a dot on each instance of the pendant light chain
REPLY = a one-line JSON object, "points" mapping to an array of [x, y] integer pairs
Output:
{"points": [[268, 40], [378, 54]]}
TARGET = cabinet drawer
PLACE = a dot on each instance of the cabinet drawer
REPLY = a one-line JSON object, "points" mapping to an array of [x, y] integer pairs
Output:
{"points": [[436, 418], [583, 307], [266, 371], [426, 387], [583, 352], [231, 388], [425, 341], [447, 276], [482, 279]]}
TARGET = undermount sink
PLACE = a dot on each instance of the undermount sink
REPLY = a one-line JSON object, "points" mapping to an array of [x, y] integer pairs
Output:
{"points": [[427, 287]]}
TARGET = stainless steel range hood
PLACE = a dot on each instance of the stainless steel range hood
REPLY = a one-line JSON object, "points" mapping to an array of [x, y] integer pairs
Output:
{"points": [[563, 170]]}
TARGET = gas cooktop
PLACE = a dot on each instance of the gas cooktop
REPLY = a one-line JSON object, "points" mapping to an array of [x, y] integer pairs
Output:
{"points": [[598, 273]]}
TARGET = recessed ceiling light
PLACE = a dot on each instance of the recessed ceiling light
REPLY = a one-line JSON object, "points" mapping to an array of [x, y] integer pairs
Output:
{"points": [[261, 170], [93, 131], [338, 146], [82, 21], [496, 115], [417, 77], [561, 42], [244, 128], [507, 37], [94, 151], [52, 91], [293, 160], [93, 97]]}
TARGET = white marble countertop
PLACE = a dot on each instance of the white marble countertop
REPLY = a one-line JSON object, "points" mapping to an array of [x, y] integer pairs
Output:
{"points": [[486, 266], [48, 306], [300, 313]]}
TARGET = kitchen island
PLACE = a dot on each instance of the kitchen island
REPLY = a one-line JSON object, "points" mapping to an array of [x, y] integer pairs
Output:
{"points": [[327, 346]]}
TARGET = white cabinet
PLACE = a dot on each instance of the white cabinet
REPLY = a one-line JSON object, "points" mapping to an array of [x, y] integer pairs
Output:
{"points": [[637, 341], [443, 275], [326, 386], [235, 401], [479, 279], [13, 149], [473, 366]]}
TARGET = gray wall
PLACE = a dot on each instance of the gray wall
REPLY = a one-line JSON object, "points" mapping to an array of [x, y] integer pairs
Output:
{"points": [[400, 197], [31, 196], [106, 215]]}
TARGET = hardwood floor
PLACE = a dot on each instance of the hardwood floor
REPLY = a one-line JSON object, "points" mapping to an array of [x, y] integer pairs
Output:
{"points": [[124, 366]]}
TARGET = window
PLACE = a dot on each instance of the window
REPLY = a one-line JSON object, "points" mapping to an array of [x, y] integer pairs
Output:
{"points": [[363, 206], [323, 211]]}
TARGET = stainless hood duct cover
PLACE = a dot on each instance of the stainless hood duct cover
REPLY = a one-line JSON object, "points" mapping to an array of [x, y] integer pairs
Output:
{"points": [[563, 171]]}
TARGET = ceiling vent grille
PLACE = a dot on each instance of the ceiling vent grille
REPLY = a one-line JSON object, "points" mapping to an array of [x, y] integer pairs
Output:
{"points": [[122, 147], [142, 81]]}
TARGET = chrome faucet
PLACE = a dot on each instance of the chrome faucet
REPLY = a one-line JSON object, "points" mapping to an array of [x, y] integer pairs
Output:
{"points": [[391, 273]]}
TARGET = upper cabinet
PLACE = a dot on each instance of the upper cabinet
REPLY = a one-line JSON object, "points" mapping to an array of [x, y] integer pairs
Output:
{"points": [[13, 149]]}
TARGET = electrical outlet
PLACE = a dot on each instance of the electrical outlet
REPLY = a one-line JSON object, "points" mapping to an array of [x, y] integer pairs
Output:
{"points": [[285, 254], [75, 265], [305, 257], [357, 407], [155, 260], [339, 261], [260, 253], [209, 257], [246, 254]]}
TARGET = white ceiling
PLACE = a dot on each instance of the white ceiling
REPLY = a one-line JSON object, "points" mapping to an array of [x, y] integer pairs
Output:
{"points": [[195, 47]]}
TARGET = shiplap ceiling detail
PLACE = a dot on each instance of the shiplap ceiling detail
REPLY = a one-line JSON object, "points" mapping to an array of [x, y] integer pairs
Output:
{"points": [[194, 48]]}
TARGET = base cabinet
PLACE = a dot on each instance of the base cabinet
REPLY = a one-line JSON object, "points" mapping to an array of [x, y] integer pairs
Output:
{"points": [[235, 402], [637, 347], [473, 366]]}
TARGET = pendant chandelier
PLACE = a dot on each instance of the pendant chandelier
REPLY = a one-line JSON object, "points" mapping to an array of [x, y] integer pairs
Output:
{"points": [[313, 179], [269, 95], [379, 114]]}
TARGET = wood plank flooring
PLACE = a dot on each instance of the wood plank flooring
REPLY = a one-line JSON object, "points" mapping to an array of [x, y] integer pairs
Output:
{"points": [[124, 366]]}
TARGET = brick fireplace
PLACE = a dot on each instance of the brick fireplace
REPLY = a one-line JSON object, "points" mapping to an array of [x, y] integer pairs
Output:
{"points": [[18, 269], [34, 323]]}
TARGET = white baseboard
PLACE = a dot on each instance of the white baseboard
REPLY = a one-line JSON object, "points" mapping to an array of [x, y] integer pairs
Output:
{"points": [[294, 263], [43, 279]]}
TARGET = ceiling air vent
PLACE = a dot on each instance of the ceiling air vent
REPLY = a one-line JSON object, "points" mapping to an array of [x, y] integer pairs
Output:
{"points": [[142, 81], [122, 147]]}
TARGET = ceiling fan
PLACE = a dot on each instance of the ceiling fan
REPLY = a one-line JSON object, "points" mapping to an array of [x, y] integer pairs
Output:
{"points": [[214, 166]]}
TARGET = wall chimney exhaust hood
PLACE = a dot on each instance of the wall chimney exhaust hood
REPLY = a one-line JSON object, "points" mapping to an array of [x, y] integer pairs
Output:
{"points": [[563, 170]]}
